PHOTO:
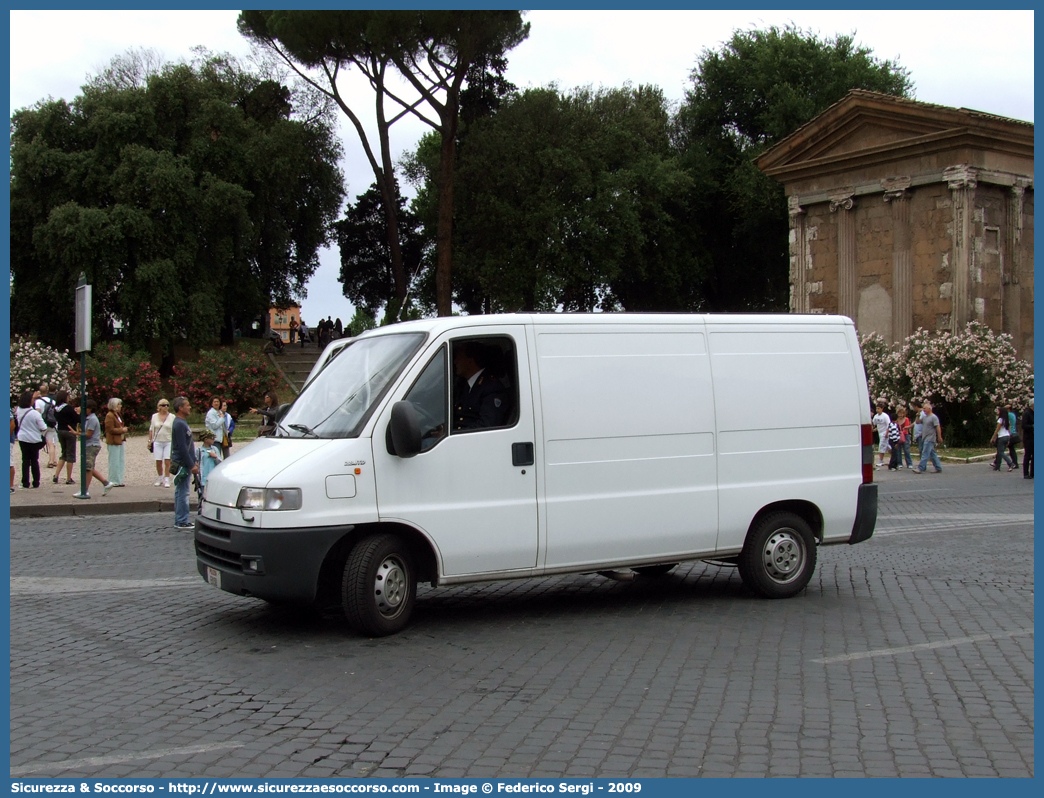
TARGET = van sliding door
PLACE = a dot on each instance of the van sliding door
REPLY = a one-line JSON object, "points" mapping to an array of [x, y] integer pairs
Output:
{"points": [[628, 417]]}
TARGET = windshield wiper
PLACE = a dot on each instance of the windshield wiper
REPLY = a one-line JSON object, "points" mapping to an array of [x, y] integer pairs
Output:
{"points": [[304, 428]]}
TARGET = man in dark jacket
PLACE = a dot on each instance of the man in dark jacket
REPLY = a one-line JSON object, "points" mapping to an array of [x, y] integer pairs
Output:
{"points": [[183, 455], [479, 397], [1027, 441]]}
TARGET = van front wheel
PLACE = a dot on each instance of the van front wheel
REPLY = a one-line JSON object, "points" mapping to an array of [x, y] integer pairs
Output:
{"points": [[779, 556], [379, 586]]}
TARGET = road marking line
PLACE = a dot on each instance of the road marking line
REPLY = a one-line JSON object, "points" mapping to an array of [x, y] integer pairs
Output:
{"points": [[888, 652], [911, 529], [118, 759], [46, 585]]}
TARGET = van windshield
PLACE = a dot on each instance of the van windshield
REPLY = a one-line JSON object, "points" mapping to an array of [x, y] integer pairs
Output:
{"points": [[338, 401]]}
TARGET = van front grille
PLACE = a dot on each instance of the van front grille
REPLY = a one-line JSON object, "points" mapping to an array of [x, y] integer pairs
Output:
{"points": [[218, 558], [216, 531]]}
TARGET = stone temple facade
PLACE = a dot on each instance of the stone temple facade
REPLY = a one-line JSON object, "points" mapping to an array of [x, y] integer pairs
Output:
{"points": [[907, 215]]}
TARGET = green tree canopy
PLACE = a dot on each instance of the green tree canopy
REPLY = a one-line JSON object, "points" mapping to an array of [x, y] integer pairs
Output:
{"points": [[366, 264], [434, 51], [757, 89], [572, 201], [188, 194]]}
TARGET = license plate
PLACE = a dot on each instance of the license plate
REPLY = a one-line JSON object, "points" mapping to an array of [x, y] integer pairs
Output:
{"points": [[214, 576]]}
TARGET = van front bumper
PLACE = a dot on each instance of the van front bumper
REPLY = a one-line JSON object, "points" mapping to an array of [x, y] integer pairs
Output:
{"points": [[866, 513], [272, 564]]}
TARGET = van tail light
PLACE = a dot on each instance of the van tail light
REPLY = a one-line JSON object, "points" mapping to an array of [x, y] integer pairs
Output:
{"points": [[867, 437]]}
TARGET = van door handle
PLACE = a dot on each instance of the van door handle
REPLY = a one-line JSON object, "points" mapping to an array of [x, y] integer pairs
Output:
{"points": [[522, 454]]}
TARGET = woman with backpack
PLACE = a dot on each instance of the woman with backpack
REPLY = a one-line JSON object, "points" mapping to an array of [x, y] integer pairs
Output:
{"points": [[31, 429]]}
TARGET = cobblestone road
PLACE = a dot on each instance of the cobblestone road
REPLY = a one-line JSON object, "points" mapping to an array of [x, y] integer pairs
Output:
{"points": [[908, 655]]}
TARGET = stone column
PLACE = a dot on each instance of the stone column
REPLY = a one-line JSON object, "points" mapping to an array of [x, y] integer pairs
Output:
{"points": [[798, 257], [961, 180], [897, 194], [847, 293], [1011, 266]]}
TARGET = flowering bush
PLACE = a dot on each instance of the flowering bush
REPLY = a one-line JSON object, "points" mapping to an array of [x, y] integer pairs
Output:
{"points": [[965, 375], [33, 363], [114, 371], [239, 374]]}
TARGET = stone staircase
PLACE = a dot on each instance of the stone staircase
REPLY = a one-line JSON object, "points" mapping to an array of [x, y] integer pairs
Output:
{"points": [[296, 363]]}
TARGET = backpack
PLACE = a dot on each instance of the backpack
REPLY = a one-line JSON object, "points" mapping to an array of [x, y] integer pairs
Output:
{"points": [[50, 419]]}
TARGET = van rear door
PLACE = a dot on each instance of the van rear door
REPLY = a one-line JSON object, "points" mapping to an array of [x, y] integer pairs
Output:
{"points": [[472, 488]]}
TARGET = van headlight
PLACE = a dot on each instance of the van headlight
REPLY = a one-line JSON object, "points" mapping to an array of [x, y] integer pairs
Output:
{"points": [[269, 499]]}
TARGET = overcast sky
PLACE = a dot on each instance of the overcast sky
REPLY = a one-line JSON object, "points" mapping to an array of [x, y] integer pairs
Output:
{"points": [[972, 59]]}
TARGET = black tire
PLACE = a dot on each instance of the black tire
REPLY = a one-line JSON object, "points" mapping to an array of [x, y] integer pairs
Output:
{"points": [[655, 570], [779, 556], [379, 586]]}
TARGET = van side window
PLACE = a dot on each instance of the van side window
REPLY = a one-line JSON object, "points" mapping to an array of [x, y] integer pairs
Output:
{"points": [[428, 397], [485, 387]]}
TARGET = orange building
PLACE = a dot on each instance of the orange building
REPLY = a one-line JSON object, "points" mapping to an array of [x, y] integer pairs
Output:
{"points": [[279, 319]]}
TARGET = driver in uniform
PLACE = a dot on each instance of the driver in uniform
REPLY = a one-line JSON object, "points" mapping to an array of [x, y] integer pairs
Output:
{"points": [[479, 397]]}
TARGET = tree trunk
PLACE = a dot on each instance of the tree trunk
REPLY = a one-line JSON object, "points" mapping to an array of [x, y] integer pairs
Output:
{"points": [[228, 330], [391, 217], [386, 181], [444, 235]]}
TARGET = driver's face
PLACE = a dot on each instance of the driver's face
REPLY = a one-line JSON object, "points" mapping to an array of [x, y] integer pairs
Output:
{"points": [[463, 364]]}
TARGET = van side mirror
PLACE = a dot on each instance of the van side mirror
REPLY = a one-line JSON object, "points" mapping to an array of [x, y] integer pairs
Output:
{"points": [[405, 430]]}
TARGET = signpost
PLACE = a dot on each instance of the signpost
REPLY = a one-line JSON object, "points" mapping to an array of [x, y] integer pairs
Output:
{"points": [[83, 345]]}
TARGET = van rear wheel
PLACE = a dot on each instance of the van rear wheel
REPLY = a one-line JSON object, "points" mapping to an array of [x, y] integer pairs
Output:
{"points": [[779, 556], [379, 585]]}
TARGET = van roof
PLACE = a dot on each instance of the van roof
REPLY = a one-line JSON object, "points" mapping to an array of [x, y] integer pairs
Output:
{"points": [[440, 324]]}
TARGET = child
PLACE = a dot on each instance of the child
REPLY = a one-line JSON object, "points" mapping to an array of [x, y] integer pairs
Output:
{"points": [[881, 422], [210, 456]]}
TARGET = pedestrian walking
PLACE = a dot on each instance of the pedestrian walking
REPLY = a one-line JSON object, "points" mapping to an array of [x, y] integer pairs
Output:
{"points": [[46, 405], [931, 434], [906, 433], [1000, 439], [1013, 439], [68, 424], [881, 422], [31, 429], [92, 431]]}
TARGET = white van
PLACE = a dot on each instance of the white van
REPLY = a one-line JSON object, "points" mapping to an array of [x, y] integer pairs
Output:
{"points": [[585, 443]]}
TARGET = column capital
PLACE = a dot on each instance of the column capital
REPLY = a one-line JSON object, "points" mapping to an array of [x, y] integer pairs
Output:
{"points": [[895, 188], [842, 201], [961, 176], [794, 205]]}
